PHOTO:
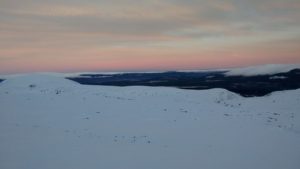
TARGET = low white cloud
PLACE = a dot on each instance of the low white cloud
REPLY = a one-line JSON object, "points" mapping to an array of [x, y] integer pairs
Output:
{"points": [[262, 70]]}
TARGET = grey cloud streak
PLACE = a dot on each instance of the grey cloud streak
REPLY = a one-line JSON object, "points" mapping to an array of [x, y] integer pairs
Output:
{"points": [[145, 17]]}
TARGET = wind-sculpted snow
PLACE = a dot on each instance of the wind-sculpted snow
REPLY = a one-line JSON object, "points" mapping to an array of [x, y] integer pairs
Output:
{"points": [[49, 122]]}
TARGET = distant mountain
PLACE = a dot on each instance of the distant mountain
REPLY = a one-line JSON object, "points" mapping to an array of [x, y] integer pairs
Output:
{"points": [[257, 82], [248, 82]]}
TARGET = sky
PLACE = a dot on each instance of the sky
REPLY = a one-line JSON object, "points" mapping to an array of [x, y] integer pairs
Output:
{"points": [[146, 35]]}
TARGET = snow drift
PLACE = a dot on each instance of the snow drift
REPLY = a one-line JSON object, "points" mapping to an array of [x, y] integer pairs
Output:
{"points": [[50, 122]]}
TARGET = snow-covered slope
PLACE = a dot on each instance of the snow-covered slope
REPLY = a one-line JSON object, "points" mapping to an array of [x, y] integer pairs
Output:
{"points": [[49, 122], [262, 70]]}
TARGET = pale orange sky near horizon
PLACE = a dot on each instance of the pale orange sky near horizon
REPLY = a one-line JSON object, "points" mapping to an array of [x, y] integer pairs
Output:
{"points": [[146, 35]]}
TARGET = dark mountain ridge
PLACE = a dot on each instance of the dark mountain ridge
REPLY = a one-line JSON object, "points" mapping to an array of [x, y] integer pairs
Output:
{"points": [[247, 86]]}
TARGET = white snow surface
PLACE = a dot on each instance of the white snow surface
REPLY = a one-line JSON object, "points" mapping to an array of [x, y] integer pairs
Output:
{"points": [[48, 122], [262, 70]]}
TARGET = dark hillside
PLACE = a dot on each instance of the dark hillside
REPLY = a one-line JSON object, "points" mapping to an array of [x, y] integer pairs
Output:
{"points": [[244, 85]]}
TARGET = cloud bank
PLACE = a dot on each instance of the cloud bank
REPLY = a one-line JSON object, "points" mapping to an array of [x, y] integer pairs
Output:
{"points": [[67, 35]]}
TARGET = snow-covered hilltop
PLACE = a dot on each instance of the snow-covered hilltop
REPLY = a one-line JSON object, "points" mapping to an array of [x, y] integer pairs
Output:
{"points": [[49, 122]]}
